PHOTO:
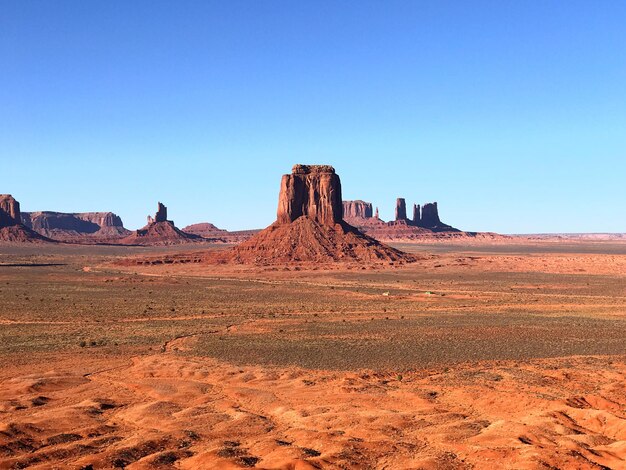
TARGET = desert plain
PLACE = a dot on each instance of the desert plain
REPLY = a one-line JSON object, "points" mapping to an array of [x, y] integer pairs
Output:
{"points": [[507, 355]]}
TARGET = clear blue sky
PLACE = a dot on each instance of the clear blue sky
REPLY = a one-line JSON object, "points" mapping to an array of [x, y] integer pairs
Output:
{"points": [[511, 114]]}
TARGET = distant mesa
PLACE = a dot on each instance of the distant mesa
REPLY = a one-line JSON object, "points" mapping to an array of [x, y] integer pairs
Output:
{"points": [[425, 223], [160, 231], [215, 234], [204, 229], [11, 227], [77, 227], [357, 209], [309, 226], [426, 216]]}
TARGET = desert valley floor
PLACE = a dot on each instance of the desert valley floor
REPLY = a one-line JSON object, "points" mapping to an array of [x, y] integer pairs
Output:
{"points": [[475, 357]]}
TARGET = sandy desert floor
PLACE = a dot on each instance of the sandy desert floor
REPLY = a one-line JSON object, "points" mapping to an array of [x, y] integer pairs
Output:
{"points": [[483, 357]]}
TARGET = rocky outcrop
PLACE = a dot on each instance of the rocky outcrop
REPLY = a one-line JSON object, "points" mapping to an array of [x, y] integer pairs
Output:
{"points": [[400, 209], [160, 231], [424, 223], [309, 226], [357, 209], [425, 216], [9, 211], [77, 227], [217, 235], [160, 234], [430, 215], [417, 216], [359, 213], [204, 229], [12, 229], [101, 219], [160, 216], [46, 222], [313, 191]]}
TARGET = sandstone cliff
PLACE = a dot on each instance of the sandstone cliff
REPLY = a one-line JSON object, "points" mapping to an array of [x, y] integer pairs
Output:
{"points": [[425, 223], [82, 227], [160, 231], [417, 215], [11, 228], [160, 216], [357, 209], [430, 215], [400, 209], [215, 234], [313, 191], [9, 211], [310, 228]]}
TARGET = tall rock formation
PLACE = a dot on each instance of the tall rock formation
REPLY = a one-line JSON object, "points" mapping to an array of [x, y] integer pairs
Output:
{"points": [[310, 227], [430, 215], [313, 191], [376, 214], [357, 209], [160, 231], [11, 228], [160, 216], [417, 217], [9, 211], [400, 209]]}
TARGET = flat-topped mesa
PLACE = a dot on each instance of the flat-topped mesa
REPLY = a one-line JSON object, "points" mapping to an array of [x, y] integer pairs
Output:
{"points": [[400, 209], [357, 209], [160, 216], [102, 219], [9, 211], [430, 215], [313, 191]]}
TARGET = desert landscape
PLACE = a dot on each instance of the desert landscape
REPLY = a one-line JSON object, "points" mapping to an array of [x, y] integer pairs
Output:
{"points": [[312, 235], [311, 345]]}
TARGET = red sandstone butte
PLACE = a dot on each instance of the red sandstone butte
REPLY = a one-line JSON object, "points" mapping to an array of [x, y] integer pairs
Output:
{"points": [[313, 191], [11, 228], [310, 227], [160, 231]]}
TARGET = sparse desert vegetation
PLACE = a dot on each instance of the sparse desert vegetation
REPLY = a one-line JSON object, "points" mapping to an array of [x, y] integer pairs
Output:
{"points": [[459, 360]]}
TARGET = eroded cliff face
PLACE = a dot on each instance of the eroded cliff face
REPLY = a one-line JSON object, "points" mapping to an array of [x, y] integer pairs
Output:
{"points": [[357, 209], [11, 227], [400, 209], [310, 226], [101, 219], [417, 214], [160, 231], [313, 191], [45, 221], [160, 216], [73, 226], [9, 211], [425, 220], [430, 215]]}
